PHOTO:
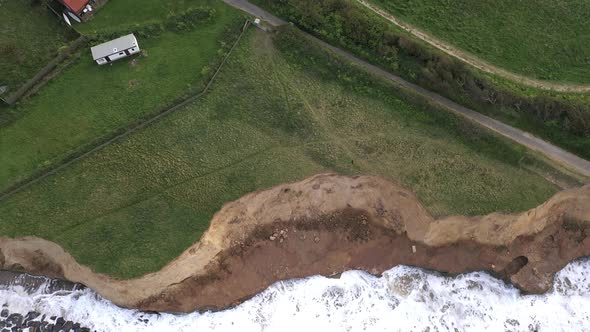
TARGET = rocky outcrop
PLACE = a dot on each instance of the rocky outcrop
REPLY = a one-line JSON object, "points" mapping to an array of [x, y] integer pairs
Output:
{"points": [[34, 321], [328, 224]]}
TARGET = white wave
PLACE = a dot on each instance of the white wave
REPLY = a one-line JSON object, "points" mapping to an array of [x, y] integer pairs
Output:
{"points": [[403, 299]]}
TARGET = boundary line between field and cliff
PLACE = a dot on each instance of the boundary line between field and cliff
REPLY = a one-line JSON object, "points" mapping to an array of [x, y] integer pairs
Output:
{"points": [[117, 135]]}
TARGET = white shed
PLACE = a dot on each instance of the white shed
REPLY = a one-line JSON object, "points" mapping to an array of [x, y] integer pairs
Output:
{"points": [[115, 49]]}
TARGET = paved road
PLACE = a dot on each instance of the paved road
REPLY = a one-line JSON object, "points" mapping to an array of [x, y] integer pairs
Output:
{"points": [[256, 11], [551, 151], [472, 59]]}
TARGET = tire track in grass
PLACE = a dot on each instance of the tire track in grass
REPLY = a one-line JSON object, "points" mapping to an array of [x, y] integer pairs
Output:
{"points": [[318, 117]]}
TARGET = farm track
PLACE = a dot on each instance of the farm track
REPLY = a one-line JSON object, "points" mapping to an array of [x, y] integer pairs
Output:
{"points": [[473, 60], [567, 159], [11, 190]]}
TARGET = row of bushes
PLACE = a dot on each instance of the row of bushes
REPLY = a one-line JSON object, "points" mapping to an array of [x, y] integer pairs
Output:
{"points": [[179, 22], [344, 23]]}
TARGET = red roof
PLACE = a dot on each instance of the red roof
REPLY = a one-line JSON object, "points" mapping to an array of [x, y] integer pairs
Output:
{"points": [[75, 5]]}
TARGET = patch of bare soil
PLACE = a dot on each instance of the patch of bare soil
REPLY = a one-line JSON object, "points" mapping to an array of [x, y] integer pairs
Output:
{"points": [[325, 225]]}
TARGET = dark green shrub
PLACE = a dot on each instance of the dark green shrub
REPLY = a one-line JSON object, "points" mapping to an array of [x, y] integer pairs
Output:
{"points": [[189, 19]]}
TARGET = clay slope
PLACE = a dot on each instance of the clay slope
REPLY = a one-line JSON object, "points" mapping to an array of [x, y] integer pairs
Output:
{"points": [[327, 224]]}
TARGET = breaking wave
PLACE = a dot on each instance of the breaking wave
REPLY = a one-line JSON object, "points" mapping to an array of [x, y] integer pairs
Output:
{"points": [[402, 299]]}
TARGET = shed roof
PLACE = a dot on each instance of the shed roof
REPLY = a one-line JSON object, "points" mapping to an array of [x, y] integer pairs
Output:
{"points": [[75, 5], [113, 46]]}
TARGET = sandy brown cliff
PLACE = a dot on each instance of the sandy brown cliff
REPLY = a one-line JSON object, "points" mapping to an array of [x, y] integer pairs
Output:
{"points": [[325, 225]]}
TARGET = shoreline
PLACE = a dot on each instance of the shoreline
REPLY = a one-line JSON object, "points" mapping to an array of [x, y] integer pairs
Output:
{"points": [[32, 284], [325, 225], [378, 303]]}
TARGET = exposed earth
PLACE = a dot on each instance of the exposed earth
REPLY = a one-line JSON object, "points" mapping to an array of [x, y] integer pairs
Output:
{"points": [[325, 225]]}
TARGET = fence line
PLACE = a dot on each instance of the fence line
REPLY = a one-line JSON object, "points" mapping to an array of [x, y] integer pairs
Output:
{"points": [[117, 135], [14, 97]]}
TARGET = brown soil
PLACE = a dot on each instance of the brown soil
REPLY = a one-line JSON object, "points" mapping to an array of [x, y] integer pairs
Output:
{"points": [[325, 225]]}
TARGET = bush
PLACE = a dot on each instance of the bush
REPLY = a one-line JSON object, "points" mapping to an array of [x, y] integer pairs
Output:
{"points": [[149, 30], [189, 19], [184, 21]]}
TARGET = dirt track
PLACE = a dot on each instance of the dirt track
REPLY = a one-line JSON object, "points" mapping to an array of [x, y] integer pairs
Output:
{"points": [[325, 225], [473, 60]]}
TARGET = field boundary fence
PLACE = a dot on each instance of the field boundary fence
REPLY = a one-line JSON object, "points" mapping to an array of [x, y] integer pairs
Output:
{"points": [[43, 72], [89, 149]]}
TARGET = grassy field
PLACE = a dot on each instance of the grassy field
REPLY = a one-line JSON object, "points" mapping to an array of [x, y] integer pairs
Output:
{"points": [[122, 14], [25, 47], [544, 39], [88, 101], [279, 111]]}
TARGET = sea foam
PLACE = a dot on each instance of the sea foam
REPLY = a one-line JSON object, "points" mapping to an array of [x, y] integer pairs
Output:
{"points": [[402, 299]]}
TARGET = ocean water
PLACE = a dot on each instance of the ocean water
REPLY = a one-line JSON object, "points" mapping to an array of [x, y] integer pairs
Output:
{"points": [[402, 299]]}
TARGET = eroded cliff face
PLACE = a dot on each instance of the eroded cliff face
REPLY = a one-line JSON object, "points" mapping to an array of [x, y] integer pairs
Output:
{"points": [[327, 224]]}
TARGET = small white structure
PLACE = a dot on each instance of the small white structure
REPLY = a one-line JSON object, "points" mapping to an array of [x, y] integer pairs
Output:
{"points": [[115, 49]]}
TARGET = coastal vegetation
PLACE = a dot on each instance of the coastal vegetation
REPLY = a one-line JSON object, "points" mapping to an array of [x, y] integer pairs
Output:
{"points": [[280, 110], [561, 118]]}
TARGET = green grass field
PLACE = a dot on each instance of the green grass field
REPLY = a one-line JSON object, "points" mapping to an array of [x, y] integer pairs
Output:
{"points": [[88, 101], [278, 112], [543, 39], [26, 47]]}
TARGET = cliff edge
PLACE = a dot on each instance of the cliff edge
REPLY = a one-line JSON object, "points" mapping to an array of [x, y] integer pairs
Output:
{"points": [[325, 225]]}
